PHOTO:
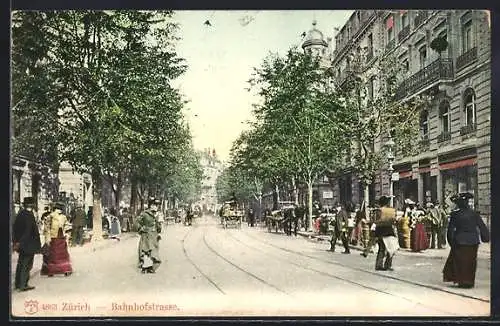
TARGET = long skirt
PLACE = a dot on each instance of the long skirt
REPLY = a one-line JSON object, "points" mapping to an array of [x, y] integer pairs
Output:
{"points": [[57, 261], [460, 267], [418, 238], [115, 229]]}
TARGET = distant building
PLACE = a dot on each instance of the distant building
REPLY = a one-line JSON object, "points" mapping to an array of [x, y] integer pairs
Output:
{"points": [[212, 168]]}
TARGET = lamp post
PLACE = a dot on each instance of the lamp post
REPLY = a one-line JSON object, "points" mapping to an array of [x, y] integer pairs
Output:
{"points": [[390, 158]]}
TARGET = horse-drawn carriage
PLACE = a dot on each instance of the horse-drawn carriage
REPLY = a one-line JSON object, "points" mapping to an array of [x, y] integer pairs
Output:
{"points": [[231, 215], [285, 218]]}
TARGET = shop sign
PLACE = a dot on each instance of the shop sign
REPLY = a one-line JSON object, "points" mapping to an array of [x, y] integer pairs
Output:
{"points": [[327, 194]]}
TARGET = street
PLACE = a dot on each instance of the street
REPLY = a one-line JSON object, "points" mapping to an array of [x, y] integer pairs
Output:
{"points": [[210, 271]]}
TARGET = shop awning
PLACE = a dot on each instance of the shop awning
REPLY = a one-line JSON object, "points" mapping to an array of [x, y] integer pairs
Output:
{"points": [[458, 164], [405, 174]]}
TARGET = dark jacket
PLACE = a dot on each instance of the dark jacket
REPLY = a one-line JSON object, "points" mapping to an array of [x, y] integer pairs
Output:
{"points": [[79, 217], [341, 220], [463, 226], [25, 232]]}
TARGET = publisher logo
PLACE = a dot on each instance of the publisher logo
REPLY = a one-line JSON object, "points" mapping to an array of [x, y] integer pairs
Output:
{"points": [[31, 307]]}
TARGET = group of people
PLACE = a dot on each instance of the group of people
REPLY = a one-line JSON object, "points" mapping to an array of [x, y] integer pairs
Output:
{"points": [[462, 236], [27, 242]]}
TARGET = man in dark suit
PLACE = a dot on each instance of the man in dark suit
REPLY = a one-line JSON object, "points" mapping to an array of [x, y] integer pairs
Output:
{"points": [[26, 241], [340, 229]]}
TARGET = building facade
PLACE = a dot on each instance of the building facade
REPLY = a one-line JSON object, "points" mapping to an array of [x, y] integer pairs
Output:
{"points": [[455, 126], [212, 168]]}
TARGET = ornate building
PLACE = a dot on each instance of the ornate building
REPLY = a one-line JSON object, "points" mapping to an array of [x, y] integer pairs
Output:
{"points": [[455, 127]]}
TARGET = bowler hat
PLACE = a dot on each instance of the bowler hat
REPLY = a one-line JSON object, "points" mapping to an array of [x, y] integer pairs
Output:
{"points": [[28, 201]]}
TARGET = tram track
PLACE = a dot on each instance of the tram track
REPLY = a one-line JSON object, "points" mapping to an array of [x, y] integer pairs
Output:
{"points": [[225, 259], [330, 275], [194, 264], [428, 286]]}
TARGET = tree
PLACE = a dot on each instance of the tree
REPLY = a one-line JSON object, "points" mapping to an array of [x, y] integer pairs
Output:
{"points": [[302, 118], [372, 116], [107, 87]]}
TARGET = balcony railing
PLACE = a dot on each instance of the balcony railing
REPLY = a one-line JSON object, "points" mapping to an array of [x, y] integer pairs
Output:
{"points": [[440, 69], [468, 129], [345, 76], [444, 136], [366, 18], [390, 45], [404, 33], [421, 17], [467, 58], [424, 143]]}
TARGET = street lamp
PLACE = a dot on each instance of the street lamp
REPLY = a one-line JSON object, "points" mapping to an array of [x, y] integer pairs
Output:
{"points": [[390, 158]]}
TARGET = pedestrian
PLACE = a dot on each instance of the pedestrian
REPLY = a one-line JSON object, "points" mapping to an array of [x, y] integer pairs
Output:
{"points": [[386, 235], [26, 242], [340, 229], [79, 222], [434, 221], [442, 226], [149, 230], [463, 237], [357, 233], [90, 219], [251, 217], [418, 237], [126, 218], [115, 228], [57, 260]]}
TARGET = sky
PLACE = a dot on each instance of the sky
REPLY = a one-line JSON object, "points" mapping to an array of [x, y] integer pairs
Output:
{"points": [[221, 58]]}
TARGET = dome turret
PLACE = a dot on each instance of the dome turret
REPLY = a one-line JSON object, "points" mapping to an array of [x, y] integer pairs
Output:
{"points": [[314, 38]]}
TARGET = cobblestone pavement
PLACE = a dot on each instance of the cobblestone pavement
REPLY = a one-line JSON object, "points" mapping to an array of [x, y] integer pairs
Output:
{"points": [[210, 271]]}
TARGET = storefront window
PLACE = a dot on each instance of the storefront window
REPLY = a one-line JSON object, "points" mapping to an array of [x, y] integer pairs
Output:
{"points": [[460, 180]]}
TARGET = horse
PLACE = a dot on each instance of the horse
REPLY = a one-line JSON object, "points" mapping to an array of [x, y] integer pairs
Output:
{"points": [[291, 221]]}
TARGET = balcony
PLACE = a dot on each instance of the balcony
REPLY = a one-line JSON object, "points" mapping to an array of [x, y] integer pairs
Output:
{"points": [[424, 143], [404, 33], [467, 58], [444, 136], [465, 130], [421, 17], [439, 70], [345, 76], [390, 45]]}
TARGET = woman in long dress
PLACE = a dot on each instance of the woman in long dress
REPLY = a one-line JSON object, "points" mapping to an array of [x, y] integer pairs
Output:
{"points": [[418, 237], [115, 228], [463, 237], [57, 259]]}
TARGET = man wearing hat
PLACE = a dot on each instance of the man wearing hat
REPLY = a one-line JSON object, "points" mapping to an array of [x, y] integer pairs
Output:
{"points": [[386, 235], [149, 230], [26, 241], [433, 216]]}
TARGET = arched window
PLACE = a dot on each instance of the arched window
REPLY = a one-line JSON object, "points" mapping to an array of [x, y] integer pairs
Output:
{"points": [[470, 107], [424, 124], [444, 116]]}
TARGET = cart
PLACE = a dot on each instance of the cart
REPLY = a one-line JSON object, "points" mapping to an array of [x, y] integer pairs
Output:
{"points": [[232, 217]]}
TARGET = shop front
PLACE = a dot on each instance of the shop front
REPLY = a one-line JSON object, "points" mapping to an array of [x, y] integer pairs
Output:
{"points": [[405, 188], [460, 176]]}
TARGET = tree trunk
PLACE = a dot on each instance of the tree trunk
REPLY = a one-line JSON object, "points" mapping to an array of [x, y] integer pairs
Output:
{"points": [[367, 199], [309, 205], [117, 193], [295, 191], [97, 205], [133, 197]]}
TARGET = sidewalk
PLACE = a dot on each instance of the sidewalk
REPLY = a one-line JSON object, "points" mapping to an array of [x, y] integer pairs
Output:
{"points": [[86, 248], [483, 251]]}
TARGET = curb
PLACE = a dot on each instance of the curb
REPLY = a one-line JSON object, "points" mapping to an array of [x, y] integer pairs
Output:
{"points": [[403, 251], [35, 271]]}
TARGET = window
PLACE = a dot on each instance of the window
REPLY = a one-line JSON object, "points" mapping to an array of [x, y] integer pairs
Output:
{"points": [[404, 19], [370, 44], [422, 56], [444, 116], [389, 23], [406, 65], [470, 107], [467, 38], [424, 124]]}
